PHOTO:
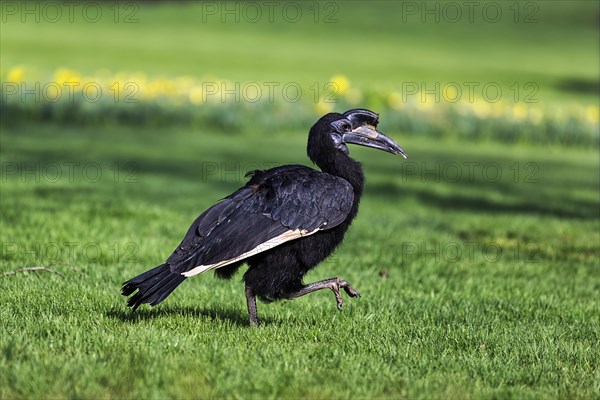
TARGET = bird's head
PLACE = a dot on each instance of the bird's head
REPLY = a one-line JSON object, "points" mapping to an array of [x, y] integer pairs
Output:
{"points": [[357, 126]]}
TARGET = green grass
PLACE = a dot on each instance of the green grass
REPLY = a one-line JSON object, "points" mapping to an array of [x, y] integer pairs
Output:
{"points": [[431, 322], [475, 286]]}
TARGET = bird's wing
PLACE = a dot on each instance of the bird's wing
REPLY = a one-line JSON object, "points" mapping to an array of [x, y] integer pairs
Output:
{"points": [[276, 206]]}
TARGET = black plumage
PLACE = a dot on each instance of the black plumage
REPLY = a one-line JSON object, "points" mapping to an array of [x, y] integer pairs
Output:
{"points": [[282, 223]]}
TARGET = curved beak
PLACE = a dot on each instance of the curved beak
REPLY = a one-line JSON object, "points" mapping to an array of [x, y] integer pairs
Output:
{"points": [[368, 135]]}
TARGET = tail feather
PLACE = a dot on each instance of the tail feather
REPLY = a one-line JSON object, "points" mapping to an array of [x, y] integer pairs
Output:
{"points": [[160, 290], [167, 289], [152, 286]]}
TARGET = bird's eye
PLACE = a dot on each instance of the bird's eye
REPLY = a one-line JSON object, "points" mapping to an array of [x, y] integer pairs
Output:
{"points": [[346, 127]]}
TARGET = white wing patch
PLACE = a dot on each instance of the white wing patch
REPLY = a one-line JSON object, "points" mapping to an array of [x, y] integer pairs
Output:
{"points": [[269, 244]]}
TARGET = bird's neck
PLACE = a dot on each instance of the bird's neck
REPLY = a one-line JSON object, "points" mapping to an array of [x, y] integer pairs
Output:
{"points": [[341, 165]]}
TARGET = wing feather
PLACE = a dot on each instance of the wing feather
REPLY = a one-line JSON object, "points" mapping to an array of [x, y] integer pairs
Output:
{"points": [[276, 206]]}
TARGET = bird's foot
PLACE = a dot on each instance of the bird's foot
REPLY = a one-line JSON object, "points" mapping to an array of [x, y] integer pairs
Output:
{"points": [[335, 284], [338, 283]]}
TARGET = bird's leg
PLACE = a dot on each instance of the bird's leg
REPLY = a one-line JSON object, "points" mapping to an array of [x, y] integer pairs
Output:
{"points": [[332, 283], [251, 300]]}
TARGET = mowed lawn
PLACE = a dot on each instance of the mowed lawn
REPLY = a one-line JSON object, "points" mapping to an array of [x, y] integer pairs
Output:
{"points": [[478, 263], [479, 287]]}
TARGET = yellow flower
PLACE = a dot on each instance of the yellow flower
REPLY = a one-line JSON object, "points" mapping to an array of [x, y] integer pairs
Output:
{"points": [[63, 75], [592, 114], [481, 108], [395, 100], [16, 75], [520, 111], [160, 87], [196, 95], [450, 94], [426, 102], [341, 84], [133, 85]]}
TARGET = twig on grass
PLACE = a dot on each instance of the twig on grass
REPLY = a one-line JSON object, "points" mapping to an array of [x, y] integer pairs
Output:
{"points": [[38, 268]]}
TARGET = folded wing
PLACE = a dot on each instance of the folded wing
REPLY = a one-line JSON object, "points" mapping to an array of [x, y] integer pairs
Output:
{"points": [[274, 207]]}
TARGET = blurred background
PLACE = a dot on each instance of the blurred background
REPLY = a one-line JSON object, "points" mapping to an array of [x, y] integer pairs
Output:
{"points": [[121, 122], [522, 72]]}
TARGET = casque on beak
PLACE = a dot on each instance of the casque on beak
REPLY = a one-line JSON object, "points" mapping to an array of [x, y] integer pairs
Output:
{"points": [[368, 135]]}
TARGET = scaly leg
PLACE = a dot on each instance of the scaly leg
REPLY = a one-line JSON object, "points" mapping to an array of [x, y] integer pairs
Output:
{"points": [[333, 283], [251, 300]]}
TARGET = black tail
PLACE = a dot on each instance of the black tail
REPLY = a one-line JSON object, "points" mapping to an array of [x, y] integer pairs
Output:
{"points": [[153, 286]]}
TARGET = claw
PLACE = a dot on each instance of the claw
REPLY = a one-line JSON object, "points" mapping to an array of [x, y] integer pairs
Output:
{"points": [[349, 289], [333, 283], [335, 287], [351, 292]]}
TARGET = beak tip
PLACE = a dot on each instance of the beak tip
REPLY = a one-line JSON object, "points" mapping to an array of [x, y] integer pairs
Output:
{"points": [[402, 153]]}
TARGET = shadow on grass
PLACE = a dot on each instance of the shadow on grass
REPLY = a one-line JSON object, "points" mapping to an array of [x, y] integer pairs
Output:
{"points": [[564, 208], [501, 197], [235, 317], [579, 85]]}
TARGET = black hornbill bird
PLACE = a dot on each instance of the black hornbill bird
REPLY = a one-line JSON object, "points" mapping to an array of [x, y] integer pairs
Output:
{"points": [[282, 223]]}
